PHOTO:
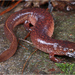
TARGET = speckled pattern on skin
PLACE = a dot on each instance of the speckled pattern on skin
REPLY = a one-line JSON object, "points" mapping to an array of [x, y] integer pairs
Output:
{"points": [[41, 32]]}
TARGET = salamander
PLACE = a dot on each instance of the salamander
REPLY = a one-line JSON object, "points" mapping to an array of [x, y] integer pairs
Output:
{"points": [[40, 34]]}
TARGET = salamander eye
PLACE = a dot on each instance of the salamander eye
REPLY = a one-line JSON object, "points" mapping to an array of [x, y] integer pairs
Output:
{"points": [[71, 50]]}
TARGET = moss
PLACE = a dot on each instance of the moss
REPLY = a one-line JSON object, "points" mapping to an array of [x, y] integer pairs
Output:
{"points": [[67, 68]]}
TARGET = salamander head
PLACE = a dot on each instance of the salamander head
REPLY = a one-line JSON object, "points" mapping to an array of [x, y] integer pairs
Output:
{"points": [[71, 53]]}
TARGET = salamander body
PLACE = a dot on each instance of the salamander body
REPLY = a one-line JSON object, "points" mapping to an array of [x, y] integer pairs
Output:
{"points": [[40, 34]]}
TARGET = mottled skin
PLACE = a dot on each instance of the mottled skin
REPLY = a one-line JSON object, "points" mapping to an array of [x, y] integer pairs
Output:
{"points": [[40, 34]]}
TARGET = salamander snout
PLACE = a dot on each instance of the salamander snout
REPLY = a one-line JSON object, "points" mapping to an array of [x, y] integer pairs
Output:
{"points": [[71, 53]]}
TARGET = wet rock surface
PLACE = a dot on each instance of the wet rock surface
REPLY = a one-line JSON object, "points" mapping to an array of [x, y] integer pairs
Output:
{"points": [[39, 62]]}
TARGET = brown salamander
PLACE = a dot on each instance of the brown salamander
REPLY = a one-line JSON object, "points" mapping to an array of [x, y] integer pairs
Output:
{"points": [[40, 34]]}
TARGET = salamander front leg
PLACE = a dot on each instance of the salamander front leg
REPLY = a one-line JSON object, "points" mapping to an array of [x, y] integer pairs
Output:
{"points": [[51, 56]]}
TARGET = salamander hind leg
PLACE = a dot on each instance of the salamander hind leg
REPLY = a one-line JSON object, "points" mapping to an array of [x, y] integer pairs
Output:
{"points": [[51, 56], [28, 26]]}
